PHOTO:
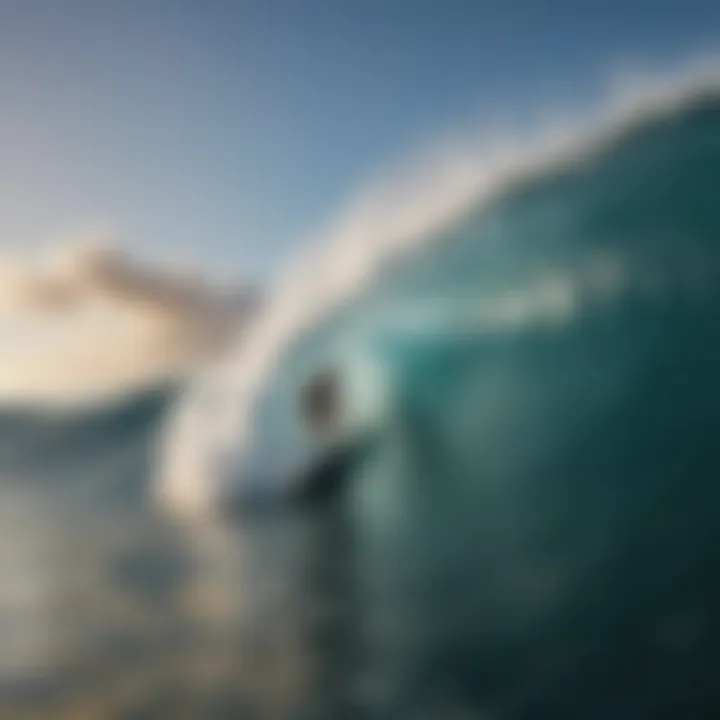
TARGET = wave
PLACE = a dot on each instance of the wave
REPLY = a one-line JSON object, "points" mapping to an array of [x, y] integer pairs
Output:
{"points": [[378, 272]]}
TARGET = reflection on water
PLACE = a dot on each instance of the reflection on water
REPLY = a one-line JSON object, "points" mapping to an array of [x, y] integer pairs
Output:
{"points": [[273, 595], [112, 614], [29, 572], [109, 610]]}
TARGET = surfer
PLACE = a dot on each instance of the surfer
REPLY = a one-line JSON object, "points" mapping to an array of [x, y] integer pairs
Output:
{"points": [[321, 408]]}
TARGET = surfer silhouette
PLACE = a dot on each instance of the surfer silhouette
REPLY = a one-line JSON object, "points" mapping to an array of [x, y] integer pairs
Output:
{"points": [[322, 409]]}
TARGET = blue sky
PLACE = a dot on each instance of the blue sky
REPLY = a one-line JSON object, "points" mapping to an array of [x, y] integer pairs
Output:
{"points": [[228, 130]]}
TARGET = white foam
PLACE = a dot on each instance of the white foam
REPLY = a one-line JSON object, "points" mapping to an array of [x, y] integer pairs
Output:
{"points": [[400, 216]]}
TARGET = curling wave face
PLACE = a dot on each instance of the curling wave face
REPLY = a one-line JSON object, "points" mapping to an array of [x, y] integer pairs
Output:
{"points": [[586, 254]]}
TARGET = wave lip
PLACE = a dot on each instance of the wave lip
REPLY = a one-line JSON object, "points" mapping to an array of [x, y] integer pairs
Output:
{"points": [[386, 228]]}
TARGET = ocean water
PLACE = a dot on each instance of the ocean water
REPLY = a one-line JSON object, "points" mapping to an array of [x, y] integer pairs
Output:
{"points": [[531, 533]]}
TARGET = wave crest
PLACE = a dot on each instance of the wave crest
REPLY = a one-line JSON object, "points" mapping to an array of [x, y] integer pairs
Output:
{"points": [[394, 219]]}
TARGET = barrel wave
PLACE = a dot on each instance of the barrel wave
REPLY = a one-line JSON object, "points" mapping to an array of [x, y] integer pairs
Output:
{"points": [[559, 287], [538, 507]]}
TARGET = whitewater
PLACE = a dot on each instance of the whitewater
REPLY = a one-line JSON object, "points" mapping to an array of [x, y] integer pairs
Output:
{"points": [[238, 430]]}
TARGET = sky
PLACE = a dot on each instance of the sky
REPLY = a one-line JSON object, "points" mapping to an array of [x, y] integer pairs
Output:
{"points": [[224, 133]]}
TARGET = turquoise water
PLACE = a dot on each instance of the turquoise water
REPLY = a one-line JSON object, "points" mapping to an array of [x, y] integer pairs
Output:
{"points": [[532, 535], [592, 251], [546, 490]]}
